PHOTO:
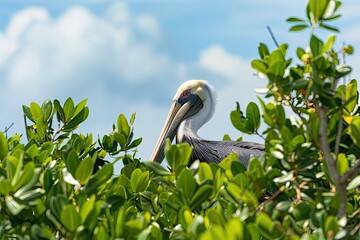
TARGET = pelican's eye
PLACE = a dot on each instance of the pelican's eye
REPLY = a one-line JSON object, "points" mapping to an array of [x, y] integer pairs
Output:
{"points": [[185, 94]]}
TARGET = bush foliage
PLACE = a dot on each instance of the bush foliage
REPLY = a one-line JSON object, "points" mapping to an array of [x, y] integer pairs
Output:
{"points": [[58, 184]]}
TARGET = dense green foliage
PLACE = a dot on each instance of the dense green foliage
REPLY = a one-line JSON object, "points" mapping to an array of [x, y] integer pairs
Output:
{"points": [[58, 183]]}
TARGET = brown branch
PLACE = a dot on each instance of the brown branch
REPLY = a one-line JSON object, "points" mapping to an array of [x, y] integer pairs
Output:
{"points": [[331, 162]]}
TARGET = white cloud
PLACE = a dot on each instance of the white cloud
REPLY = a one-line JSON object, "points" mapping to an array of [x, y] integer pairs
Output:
{"points": [[78, 47], [218, 60], [109, 58]]}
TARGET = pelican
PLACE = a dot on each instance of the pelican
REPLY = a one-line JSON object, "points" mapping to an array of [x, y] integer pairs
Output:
{"points": [[193, 105]]}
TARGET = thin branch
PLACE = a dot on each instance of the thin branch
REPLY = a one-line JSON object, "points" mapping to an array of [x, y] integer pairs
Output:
{"points": [[340, 126], [272, 36], [352, 172], [355, 229], [26, 129], [331, 162], [7, 129]]}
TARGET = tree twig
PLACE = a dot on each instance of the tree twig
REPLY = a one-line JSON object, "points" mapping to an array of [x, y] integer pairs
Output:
{"points": [[26, 128], [340, 125], [272, 36], [331, 162], [7, 129], [352, 172]]}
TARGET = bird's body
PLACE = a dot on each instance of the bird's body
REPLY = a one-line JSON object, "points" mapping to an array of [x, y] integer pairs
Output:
{"points": [[215, 151], [193, 106]]}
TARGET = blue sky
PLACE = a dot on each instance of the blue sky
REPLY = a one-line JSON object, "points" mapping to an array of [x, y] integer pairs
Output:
{"points": [[130, 56]]}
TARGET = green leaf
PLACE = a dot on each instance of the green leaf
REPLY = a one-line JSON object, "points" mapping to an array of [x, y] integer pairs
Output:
{"points": [[70, 218], [38, 117], [301, 211], [263, 50], [354, 183], [299, 27], [265, 224], [72, 161], [69, 109], [157, 168], [331, 226], [123, 125], [27, 113], [259, 66], [328, 27], [36, 112], [186, 182], [237, 167], [99, 178], [316, 45], [240, 122], [205, 172], [14, 206], [11, 166], [276, 56], [25, 190], [351, 97], [74, 122], [26, 176], [226, 162], [300, 52], [46, 108], [32, 151], [4, 149], [120, 222], [317, 8], [143, 182], [299, 84], [5, 186], [60, 111], [355, 130], [329, 44], [342, 70], [201, 195], [121, 138], [135, 143], [178, 154], [294, 19], [80, 106], [342, 163], [87, 207], [253, 114], [84, 170], [135, 179], [235, 229], [276, 71]]}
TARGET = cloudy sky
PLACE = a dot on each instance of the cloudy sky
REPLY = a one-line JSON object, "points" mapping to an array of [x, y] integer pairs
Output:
{"points": [[130, 56]]}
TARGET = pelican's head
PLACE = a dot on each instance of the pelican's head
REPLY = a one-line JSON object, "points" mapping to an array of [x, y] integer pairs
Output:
{"points": [[194, 102]]}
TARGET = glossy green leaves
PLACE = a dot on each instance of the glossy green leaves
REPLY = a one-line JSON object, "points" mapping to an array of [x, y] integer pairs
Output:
{"points": [[177, 155], [318, 14], [69, 117], [249, 123]]}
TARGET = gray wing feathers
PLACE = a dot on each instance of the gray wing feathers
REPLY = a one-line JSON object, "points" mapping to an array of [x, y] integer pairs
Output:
{"points": [[215, 151]]}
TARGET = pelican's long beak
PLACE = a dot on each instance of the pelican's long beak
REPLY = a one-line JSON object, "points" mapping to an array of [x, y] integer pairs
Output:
{"points": [[178, 112]]}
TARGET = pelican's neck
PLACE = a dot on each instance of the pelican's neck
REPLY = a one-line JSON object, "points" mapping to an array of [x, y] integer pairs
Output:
{"points": [[190, 126]]}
